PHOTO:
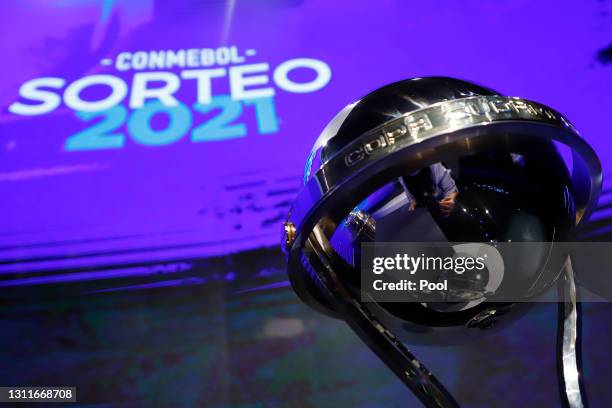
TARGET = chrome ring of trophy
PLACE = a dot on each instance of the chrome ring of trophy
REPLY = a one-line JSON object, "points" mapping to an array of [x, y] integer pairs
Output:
{"points": [[442, 160]]}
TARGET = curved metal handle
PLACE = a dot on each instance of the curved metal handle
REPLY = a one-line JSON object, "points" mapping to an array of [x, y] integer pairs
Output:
{"points": [[568, 342], [381, 341]]}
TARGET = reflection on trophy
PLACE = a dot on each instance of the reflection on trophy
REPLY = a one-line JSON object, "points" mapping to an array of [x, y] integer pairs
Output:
{"points": [[440, 160]]}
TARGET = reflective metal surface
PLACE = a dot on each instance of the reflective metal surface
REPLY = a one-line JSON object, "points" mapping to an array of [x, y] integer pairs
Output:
{"points": [[520, 133], [381, 340], [437, 159], [572, 394]]}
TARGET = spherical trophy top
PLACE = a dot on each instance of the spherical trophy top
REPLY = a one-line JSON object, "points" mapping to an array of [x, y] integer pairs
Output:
{"points": [[481, 168]]}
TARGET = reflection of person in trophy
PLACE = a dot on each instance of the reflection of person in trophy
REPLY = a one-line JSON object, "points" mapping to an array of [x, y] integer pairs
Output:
{"points": [[391, 211], [431, 186]]}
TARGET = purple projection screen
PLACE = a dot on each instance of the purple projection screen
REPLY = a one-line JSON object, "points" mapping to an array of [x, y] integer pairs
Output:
{"points": [[159, 130]]}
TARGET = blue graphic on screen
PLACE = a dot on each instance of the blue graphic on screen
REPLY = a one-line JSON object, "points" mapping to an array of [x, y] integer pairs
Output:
{"points": [[135, 132]]}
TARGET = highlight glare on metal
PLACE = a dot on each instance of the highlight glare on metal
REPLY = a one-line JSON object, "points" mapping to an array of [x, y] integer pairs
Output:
{"points": [[362, 151]]}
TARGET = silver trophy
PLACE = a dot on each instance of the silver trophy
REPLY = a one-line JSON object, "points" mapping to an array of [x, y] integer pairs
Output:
{"points": [[434, 160]]}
